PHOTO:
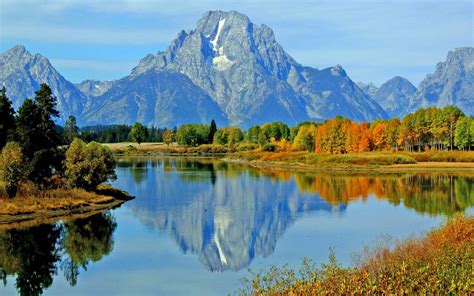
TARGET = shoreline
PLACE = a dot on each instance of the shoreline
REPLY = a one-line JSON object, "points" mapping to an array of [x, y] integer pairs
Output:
{"points": [[338, 167], [50, 210]]}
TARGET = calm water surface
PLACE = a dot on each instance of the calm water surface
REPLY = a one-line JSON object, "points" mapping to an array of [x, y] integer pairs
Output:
{"points": [[196, 225]]}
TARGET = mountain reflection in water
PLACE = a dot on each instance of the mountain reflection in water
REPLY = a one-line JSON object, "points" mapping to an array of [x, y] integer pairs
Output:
{"points": [[228, 214]]}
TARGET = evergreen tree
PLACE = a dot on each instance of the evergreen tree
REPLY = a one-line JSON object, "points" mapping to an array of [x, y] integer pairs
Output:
{"points": [[71, 131], [7, 118], [212, 131], [38, 135]]}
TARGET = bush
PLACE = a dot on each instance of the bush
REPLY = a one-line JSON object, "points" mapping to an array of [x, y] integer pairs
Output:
{"points": [[247, 147], [88, 165], [209, 149], [269, 147], [11, 167]]}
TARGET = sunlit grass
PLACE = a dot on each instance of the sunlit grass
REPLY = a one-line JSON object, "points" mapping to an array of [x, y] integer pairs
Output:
{"points": [[31, 199]]}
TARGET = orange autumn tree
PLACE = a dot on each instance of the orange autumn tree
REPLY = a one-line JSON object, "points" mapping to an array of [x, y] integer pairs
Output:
{"points": [[380, 135], [340, 135], [331, 137]]}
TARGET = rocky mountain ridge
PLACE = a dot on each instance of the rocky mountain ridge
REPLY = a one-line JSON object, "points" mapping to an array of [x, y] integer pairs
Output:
{"points": [[235, 72]]}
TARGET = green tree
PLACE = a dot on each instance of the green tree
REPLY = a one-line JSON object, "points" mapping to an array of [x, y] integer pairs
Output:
{"points": [[138, 133], [39, 137], [452, 114], [462, 135], [212, 131], [88, 165], [168, 137], [7, 118], [252, 134], [193, 134], [11, 167], [235, 136], [71, 131]]}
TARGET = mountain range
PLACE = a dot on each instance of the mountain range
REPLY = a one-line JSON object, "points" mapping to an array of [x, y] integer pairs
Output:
{"points": [[235, 72]]}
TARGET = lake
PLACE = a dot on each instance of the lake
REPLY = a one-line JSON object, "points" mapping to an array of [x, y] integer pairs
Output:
{"points": [[198, 224]]}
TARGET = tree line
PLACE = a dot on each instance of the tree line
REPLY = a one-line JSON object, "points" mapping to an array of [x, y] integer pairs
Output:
{"points": [[123, 133], [37, 152], [431, 128]]}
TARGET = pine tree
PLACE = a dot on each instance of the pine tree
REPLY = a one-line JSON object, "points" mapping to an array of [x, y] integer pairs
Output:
{"points": [[38, 136], [212, 131], [7, 118], [71, 131]]}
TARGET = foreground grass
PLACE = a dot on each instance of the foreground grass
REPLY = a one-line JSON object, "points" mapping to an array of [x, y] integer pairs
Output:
{"points": [[439, 263]]}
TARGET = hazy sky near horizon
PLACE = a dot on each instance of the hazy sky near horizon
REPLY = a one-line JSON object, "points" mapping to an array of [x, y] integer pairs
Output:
{"points": [[372, 40]]}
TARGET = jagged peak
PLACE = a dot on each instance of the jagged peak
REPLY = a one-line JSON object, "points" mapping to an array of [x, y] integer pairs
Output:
{"points": [[338, 70], [465, 54], [18, 50]]}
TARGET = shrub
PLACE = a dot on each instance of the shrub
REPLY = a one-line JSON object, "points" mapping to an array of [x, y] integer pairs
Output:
{"points": [[210, 149], [11, 167], [88, 165], [247, 147], [269, 147]]}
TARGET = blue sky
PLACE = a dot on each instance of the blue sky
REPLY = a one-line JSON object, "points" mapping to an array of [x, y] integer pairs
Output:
{"points": [[372, 40]]}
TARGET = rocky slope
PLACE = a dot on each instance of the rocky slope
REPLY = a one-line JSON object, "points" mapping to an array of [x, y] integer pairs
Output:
{"points": [[22, 73], [94, 88], [394, 95], [368, 88], [452, 83]]}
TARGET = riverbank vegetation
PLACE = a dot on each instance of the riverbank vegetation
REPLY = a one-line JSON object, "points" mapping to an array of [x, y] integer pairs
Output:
{"points": [[428, 135], [44, 168], [439, 262], [430, 129]]}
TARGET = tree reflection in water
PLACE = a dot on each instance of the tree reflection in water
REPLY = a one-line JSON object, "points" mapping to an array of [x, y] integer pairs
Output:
{"points": [[36, 253]]}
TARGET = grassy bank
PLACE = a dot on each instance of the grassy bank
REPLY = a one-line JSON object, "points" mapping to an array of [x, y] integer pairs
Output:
{"points": [[441, 262], [252, 153], [57, 203], [305, 160], [174, 149]]}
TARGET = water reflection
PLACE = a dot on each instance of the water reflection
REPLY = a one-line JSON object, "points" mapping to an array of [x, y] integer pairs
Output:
{"points": [[229, 214], [33, 255]]}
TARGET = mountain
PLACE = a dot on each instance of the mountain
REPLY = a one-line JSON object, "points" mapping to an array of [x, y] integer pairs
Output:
{"points": [[243, 69], [22, 73], [368, 88], [451, 84], [162, 98], [227, 69], [94, 88], [394, 95]]}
